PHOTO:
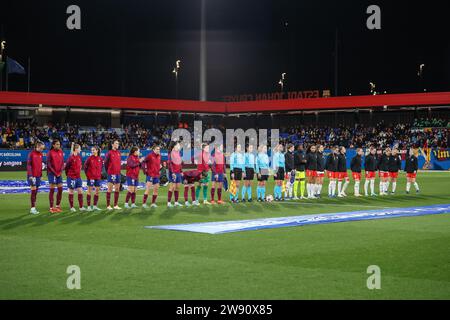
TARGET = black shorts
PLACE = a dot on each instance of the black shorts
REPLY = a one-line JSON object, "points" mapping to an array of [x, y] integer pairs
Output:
{"points": [[263, 177], [237, 174], [279, 175], [249, 174]]}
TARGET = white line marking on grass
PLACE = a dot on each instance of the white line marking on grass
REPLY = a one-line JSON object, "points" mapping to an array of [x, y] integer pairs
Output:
{"points": [[336, 204]]}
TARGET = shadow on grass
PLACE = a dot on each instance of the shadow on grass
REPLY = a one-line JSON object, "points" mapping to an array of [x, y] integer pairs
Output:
{"points": [[87, 218], [169, 213]]}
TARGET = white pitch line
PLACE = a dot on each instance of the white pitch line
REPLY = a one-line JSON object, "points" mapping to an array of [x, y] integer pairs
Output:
{"points": [[336, 204]]}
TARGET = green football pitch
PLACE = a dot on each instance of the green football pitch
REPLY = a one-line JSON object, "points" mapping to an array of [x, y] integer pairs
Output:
{"points": [[120, 259]]}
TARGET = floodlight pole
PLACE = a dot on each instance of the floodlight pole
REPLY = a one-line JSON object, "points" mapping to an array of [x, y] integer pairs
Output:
{"points": [[2, 48], [420, 75], [175, 71]]}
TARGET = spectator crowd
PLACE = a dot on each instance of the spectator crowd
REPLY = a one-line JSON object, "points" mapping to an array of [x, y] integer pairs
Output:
{"points": [[423, 132]]}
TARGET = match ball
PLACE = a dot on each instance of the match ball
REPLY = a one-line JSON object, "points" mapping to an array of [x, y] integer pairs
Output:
{"points": [[269, 198]]}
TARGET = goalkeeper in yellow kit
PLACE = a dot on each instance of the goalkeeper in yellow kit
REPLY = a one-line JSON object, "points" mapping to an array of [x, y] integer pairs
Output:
{"points": [[300, 176]]}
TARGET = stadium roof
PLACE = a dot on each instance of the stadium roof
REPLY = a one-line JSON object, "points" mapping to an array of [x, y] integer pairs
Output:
{"points": [[148, 104]]}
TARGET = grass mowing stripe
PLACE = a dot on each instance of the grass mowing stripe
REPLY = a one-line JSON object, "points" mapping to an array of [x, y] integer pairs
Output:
{"points": [[120, 259]]}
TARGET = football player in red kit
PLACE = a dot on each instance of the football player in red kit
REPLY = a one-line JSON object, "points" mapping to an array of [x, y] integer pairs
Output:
{"points": [[55, 166], [203, 161], [73, 173], [112, 165], [175, 165], [93, 169], [133, 167], [151, 167], [189, 179], [34, 173], [218, 169]]}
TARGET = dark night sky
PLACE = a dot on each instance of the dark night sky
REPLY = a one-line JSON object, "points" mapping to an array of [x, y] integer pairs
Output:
{"points": [[129, 47]]}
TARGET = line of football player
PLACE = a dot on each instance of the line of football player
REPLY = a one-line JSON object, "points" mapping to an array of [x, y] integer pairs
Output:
{"points": [[297, 174]]}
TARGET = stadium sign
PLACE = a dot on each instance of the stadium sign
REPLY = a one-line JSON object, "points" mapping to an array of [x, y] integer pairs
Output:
{"points": [[308, 94], [442, 154]]}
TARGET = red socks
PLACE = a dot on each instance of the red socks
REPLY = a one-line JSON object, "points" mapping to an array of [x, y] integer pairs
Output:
{"points": [[80, 199], [108, 198], [219, 194], [193, 193], [59, 196], [116, 198], [33, 198], [186, 193], [130, 196], [88, 199], [212, 194], [51, 197], [71, 200]]}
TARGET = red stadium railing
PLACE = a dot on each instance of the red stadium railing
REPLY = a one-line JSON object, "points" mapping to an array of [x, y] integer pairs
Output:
{"points": [[350, 102], [73, 100]]}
